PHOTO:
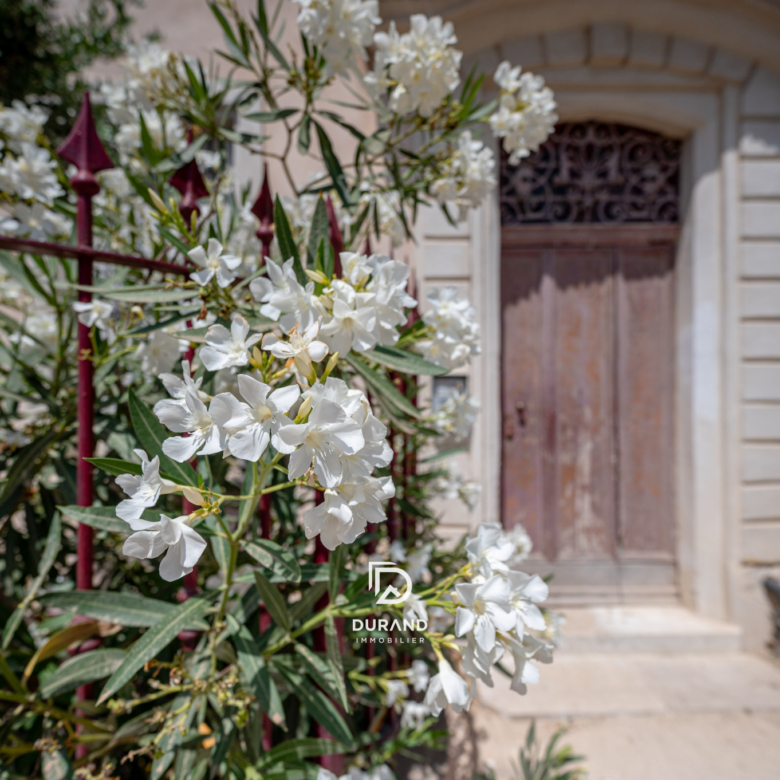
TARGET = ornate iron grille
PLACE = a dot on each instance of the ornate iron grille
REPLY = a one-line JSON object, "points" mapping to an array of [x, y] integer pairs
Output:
{"points": [[594, 172]]}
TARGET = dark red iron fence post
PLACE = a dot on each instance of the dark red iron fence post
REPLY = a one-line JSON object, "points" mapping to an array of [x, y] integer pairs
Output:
{"points": [[84, 149]]}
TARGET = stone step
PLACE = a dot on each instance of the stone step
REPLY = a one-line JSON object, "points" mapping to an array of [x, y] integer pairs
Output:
{"points": [[645, 629]]}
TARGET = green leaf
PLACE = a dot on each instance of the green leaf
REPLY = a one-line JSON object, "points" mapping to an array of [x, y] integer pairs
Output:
{"points": [[308, 600], [151, 435], [115, 466], [319, 231], [406, 362], [159, 636], [274, 557], [382, 385], [298, 750], [163, 323], [286, 242], [255, 674], [47, 559], [22, 468], [56, 766], [304, 134], [333, 165], [320, 707], [125, 609], [333, 648], [336, 561], [82, 669], [101, 517], [173, 239], [271, 116], [323, 673], [273, 601]]}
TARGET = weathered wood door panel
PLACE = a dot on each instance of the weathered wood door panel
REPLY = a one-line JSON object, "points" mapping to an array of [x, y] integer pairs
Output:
{"points": [[587, 407]]}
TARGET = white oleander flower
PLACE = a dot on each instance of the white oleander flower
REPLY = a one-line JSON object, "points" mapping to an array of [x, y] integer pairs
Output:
{"points": [[340, 29], [302, 348], [451, 485], [225, 348], [213, 263], [418, 675], [414, 714], [420, 67], [31, 175], [523, 545], [146, 489], [346, 510], [414, 607], [468, 176], [352, 320], [490, 550], [478, 662], [184, 545], [447, 687], [327, 435], [455, 334], [36, 222], [417, 561], [251, 426], [97, 313], [389, 279], [455, 417], [21, 124], [158, 353], [194, 419], [526, 112], [484, 609], [526, 672], [177, 388], [526, 592], [397, 690], [284, 298]]}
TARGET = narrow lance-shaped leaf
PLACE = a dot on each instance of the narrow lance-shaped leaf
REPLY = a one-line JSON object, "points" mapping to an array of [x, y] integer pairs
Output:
{"points": [[406, 362], [124, 609], [318, 232], [273, 601], [298, 750], [82, 669], [47, 559], [333, 165], [254, 672], [286, 242], [159, 636], [321, 708], [101, 517], [383, 386], [274, 557]]}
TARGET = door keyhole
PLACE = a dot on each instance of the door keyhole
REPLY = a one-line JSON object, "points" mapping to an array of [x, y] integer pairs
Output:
{"points": [[520, 406]]}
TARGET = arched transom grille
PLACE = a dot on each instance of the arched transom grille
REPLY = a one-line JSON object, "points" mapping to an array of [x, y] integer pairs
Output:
{"points": [[594, 172]]}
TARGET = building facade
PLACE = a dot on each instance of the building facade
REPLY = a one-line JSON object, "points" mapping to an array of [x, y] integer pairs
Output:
{"points": [[627, 281]]}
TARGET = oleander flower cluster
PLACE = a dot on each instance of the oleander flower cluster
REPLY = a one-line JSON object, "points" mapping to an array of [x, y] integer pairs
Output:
{"points": [[28, 175], [341, 29], [362, 309], [453, 329], [496, 617], [418, 68], [526, 112], [468, 176]]}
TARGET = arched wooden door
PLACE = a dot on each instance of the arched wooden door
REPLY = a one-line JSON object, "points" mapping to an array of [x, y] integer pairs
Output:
{"points": [[588, 240]]}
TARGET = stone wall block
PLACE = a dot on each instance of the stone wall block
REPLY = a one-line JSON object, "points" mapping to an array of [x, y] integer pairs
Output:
{"points": [[730, 67], [527, 52], [647, 49], [569, 47], [687, 56], [608, 44]]}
